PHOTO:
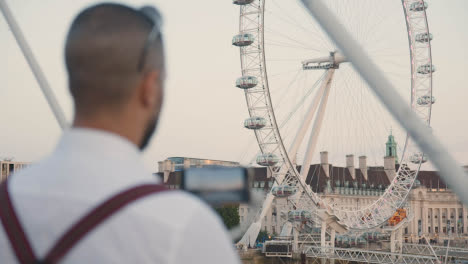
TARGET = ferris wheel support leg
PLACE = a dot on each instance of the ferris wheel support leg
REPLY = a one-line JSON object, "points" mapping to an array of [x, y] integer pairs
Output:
{"points": [[251, 235], [323, 242], [450, 170], [295, 239], [308, 118], [35, 68], [332, 238], [332, 243], [392, 241], [316, 126]]}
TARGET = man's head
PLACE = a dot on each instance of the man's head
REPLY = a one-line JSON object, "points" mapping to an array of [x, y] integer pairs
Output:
{"points": [[115, 61]]}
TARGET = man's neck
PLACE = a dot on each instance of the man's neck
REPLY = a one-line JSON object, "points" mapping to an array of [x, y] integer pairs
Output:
{"points": [[120, 127]]}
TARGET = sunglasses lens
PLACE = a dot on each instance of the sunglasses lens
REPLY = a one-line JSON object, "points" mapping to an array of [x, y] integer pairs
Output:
{"points": [[153, 14]]}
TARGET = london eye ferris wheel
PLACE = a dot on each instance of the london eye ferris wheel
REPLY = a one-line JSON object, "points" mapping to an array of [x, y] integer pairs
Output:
{"points": [[304, 97]]}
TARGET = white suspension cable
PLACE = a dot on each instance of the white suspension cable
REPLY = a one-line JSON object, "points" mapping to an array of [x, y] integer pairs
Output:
{"points": [[34, 65]]}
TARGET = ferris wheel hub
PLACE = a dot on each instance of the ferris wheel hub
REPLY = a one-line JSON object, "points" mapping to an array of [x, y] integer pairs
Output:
{"points": [[332, 61]]}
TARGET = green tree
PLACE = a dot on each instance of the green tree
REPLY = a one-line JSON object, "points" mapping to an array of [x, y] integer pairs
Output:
{"points": [[229, 214], [262, 236]]}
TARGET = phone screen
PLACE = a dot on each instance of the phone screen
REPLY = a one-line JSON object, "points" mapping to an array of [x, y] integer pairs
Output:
{"points": [[217, 185]]}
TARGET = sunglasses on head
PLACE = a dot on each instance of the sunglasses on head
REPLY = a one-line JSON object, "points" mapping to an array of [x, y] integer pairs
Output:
{"points": [[152, 14]]}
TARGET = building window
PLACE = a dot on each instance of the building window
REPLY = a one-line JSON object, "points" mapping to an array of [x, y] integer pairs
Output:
{"points": [[429, 229], [436, 229], [242, 210], [444, 230], [273, 229], [242, 219], [262, 184], [406, 230]]}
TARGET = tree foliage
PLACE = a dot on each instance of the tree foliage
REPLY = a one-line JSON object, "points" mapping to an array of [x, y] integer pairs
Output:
{"points": [[262, 236], [229, 214]]}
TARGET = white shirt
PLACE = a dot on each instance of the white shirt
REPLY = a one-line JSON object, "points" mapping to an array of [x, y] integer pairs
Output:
{"points": [[87, 167]]}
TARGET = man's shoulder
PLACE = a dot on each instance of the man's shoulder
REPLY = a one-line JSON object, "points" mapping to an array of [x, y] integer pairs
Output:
{"points": [[178, 204]]}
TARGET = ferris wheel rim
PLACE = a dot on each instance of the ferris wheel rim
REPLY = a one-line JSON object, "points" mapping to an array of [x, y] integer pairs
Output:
{"points": [[286, 160]]}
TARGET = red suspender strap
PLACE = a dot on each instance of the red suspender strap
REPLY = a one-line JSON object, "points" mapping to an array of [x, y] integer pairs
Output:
{"points": [[97, 216], [13, 229]]}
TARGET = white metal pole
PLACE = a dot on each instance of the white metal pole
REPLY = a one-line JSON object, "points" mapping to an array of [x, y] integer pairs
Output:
{"points": [[308, 118], [449, 169], [35, 68], [449, 232], [316, 127]]}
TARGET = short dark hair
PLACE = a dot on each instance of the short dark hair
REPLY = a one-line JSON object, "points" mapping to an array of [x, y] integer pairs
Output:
{"points": [[102, 51]]}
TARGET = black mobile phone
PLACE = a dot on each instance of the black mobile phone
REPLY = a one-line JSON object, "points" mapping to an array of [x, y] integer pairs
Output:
{"points": [[218, 185]]}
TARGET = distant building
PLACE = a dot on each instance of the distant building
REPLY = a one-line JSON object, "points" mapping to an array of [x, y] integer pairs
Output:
{"points": [[8, 167], [350, 188], [432, 204], [178, 164]]}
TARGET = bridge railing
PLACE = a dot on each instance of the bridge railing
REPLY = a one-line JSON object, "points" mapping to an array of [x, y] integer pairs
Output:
{"points": [[421, 249], [358, 255]]}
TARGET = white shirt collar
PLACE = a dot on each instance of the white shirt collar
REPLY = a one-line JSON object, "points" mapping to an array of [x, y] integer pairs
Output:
{"points": [[99, 141]]}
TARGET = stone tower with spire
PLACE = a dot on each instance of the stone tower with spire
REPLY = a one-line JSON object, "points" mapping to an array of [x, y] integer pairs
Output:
{"points": [[391, 157], [391, 147]]}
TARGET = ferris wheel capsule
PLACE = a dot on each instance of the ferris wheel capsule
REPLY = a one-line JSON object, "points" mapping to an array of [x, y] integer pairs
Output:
{"points": [[267, 159], [283, 191], [255, 122], [418, 158], [345, 242], [426, 69], [299, 215], [242, 40], [242, 2], [423, 37], [246, 82], [426, 100], [418, 6], [361, 241]]}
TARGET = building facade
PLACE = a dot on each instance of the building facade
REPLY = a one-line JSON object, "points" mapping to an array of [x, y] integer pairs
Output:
{"points": [[435, 212], [173, 166], [431, 203], [7, 167]]}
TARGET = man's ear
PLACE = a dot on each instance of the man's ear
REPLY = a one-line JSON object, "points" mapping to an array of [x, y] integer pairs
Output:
{"points": [[149, 90]]}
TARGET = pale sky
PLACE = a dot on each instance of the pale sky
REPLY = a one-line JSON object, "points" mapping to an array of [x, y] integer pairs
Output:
{"points": [[203, 111]]}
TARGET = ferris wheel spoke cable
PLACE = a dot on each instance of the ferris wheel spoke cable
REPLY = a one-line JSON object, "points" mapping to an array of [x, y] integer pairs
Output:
{"points": [[321, 36], [284, 72], [308, 31], [293, 44], [299, 24], [301, 102], [293, 39]]}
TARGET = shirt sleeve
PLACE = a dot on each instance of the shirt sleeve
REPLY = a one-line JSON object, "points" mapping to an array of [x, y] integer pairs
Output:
{"points": [[204, 240]]}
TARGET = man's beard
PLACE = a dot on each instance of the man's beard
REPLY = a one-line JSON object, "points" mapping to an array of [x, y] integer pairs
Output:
{"points": [[148, 133]]}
